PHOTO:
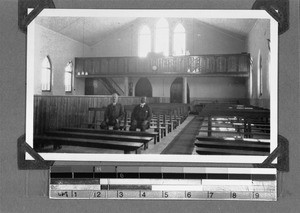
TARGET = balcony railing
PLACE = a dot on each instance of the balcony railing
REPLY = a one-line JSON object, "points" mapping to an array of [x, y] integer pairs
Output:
{"points": [[229, 64]]}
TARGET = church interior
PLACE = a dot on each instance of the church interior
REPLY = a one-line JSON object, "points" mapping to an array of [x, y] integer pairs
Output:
{"points": [[207, 81]]}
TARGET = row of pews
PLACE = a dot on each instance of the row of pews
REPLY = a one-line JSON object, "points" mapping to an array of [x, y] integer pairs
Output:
{"points": [[166, 117], [231, 129]]}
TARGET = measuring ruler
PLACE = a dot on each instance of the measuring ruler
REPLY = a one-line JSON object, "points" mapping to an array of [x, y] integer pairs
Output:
{"points": [[183, 183]]}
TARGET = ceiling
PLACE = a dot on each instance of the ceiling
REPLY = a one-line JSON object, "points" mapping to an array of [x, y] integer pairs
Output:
{"points": [[91, 30], [88, 30], [237, 27]]}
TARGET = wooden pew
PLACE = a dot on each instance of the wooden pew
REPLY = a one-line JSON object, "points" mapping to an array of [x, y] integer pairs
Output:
{"points": [[242, 113], [154, 135], [245, 134], [231, 146], [165, 117], [96, 143], [122, 138], [97, 116]]}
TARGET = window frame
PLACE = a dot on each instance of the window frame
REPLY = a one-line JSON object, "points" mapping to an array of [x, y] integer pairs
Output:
{"points": [[46, 61], [162, 21], [142, 33], [174, 37], [69, 64]]}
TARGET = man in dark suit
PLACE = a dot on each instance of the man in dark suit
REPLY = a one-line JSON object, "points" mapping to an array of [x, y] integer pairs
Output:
{"points": [[141, 116], [113, 114]]}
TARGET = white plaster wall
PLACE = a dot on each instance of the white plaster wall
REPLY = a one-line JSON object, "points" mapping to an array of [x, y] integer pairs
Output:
{"points": [[217, 87], [200, 39], [60, 50], [257, 42]]}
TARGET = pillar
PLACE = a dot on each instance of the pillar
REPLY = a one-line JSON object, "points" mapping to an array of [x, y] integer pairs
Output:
{"points": [[184, 92], [126, 86]]}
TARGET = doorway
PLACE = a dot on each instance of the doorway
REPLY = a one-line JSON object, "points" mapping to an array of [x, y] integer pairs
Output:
{"points": [[143, 88]]}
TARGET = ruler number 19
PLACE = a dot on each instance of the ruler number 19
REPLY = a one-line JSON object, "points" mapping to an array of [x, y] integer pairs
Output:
{"points": [[255, 195]]}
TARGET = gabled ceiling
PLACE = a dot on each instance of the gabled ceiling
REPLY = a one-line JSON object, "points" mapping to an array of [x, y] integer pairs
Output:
{"points": [[91, 30], [237, 27], [88, 30]]}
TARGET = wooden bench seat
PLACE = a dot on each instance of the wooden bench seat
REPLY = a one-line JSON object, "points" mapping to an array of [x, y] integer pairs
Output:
{"points": [[154, 135], [123, 138], [251, 134], [252, 140], [217, 151], [237, 128], [240, 145], [127, 147], [252, 124]]}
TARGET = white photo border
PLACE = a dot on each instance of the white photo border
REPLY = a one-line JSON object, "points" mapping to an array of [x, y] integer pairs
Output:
{"points": [[155, 158]]}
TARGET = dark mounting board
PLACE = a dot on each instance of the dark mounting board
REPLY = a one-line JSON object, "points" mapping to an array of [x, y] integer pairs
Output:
{"points": [[278, 9]]}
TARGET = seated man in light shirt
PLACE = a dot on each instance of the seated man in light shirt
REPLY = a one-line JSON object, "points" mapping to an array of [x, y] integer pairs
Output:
{"points": [[141, 116]]}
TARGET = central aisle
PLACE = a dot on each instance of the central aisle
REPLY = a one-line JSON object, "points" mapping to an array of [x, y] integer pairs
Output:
{"points": [[183, 143]]}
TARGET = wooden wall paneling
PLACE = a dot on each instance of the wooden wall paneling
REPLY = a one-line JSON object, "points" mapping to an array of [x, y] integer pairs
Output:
{"points": [[104, 66], [232, 63], [57, 108], [82, 112], [36, 115], [43, 122], [132, 65], [165, 65], [211, 64], [89, 86], [244, 62], [202, 67], [112, 68], [221, 64], [78, 65], [121, 65], [96, 65], [87, 66], [45, 116], [176, 65], [70, 111], [197, 64], [181, 66], [171, 64]]}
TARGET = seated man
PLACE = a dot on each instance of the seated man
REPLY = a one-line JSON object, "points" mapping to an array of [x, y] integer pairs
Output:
{"points": [[113, 114], [141, 116]]}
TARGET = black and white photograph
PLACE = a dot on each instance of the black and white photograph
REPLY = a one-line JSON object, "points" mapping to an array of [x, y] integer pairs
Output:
{"points": [[152, 85], [149, 106]]}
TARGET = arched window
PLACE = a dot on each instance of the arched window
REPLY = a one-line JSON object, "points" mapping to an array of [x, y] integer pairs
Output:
{"points": [[68, 77], [162, 37], [144, 41], [179, 40], [46, 74]]}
